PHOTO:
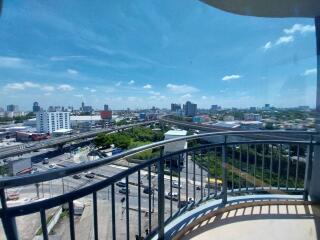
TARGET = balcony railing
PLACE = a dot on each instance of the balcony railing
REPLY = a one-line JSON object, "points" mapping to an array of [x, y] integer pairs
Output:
{"points": [[238, 165]]}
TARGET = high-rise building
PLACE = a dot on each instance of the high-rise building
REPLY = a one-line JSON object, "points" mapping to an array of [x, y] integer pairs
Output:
{"points": [[86, 109], [175, 107], [106, 107], [214, 108], [12, 108], [48, 122], [190, 109], [35, 107]]}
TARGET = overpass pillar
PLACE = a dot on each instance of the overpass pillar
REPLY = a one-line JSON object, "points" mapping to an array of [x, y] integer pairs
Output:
{"points": [[60, 147], [314, 189]]}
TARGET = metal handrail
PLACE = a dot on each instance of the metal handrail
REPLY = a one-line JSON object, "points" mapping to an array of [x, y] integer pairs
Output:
{"points": [[8, 214], [16, 181]]}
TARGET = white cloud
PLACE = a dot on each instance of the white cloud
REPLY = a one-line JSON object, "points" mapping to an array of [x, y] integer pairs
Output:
{"points": [[154, 93], [284, 40], [310, 72], [65, 58], [147, 86], [72, 71], [204, 97], [131, 82], [11, 62], [118, 84], [180, 89], [78, 95], [188, 95], [48, 88], [24, 85], [299, 28], [231, 77], [92, 90], [267, 46], [14, 86], [65, 87], [31, 85], [47, 94], [157, 97]]}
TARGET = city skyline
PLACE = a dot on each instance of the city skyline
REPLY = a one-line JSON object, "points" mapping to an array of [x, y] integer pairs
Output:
{"points": [[65, 58]]}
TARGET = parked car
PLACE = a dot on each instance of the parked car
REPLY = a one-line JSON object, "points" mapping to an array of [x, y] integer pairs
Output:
{"points": [[124, 190], [121, 184], [13, 196], [175, 184], [89, 175], [148, 190], [76, 176], [53, 166], [45, 161], [173, 196]]}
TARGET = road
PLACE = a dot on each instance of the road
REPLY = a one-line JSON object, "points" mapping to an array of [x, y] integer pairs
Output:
{"points": [[58, 141], [58, 186]]}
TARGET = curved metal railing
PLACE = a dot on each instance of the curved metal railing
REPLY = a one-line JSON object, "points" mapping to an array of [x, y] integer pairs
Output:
{"points": [[182, 179]]}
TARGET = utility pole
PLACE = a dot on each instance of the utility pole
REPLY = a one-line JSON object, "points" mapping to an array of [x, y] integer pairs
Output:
{"points": [[37, 189]]}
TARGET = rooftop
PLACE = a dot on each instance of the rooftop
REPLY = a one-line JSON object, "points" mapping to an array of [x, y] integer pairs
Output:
{"points": [[176, 132]]}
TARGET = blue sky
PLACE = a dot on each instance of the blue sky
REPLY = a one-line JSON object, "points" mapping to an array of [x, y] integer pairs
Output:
{"points": [[150, 53]]}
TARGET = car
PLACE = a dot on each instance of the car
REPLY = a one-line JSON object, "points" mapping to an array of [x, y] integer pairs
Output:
{"points": [[173, 196], [148, 190], [89, 175], [175, 184], [121, 184], [53, 166], [124, 190], [198, 188], [45, 161], [76, 176]]}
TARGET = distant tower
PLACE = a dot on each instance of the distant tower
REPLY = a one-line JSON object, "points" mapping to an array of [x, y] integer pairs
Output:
{"points": [[35, 107], [106, 107]]}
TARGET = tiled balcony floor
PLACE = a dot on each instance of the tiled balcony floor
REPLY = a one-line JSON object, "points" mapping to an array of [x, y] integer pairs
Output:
{"points": [[262, 222]]}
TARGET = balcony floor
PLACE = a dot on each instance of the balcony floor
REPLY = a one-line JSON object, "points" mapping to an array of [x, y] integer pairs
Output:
{"points": [[266, 222], [268, 216]]}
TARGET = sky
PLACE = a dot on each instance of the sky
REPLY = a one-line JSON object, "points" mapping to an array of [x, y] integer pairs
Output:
{"points": [[143, 53]]}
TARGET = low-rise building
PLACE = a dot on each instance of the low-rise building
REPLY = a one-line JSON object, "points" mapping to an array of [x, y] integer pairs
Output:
{"points": [[175, 146], [251, 125], [252, 117], [228, 118]]}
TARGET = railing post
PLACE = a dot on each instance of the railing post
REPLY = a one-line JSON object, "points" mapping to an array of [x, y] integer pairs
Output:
{"points": [[8, 223], [224, 171], [314, 190], [308, 170], [161, 196]]}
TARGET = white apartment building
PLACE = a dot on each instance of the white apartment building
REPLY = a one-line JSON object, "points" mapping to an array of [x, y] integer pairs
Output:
{"points": [[49, 122]]}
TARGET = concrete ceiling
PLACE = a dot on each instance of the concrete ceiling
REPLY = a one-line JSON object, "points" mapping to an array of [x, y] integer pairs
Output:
{"points": [[269, 8]]}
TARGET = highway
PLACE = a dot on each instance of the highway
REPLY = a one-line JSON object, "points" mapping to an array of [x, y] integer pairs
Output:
{"points": [[207, 128], [58, 141]]}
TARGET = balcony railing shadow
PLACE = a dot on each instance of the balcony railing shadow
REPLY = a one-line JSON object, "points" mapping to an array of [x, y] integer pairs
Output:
{"points": [[249, 216]]}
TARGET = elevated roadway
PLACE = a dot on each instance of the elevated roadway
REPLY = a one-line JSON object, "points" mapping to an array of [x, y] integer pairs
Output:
{"points": [[60, 141], [208, 128]]}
